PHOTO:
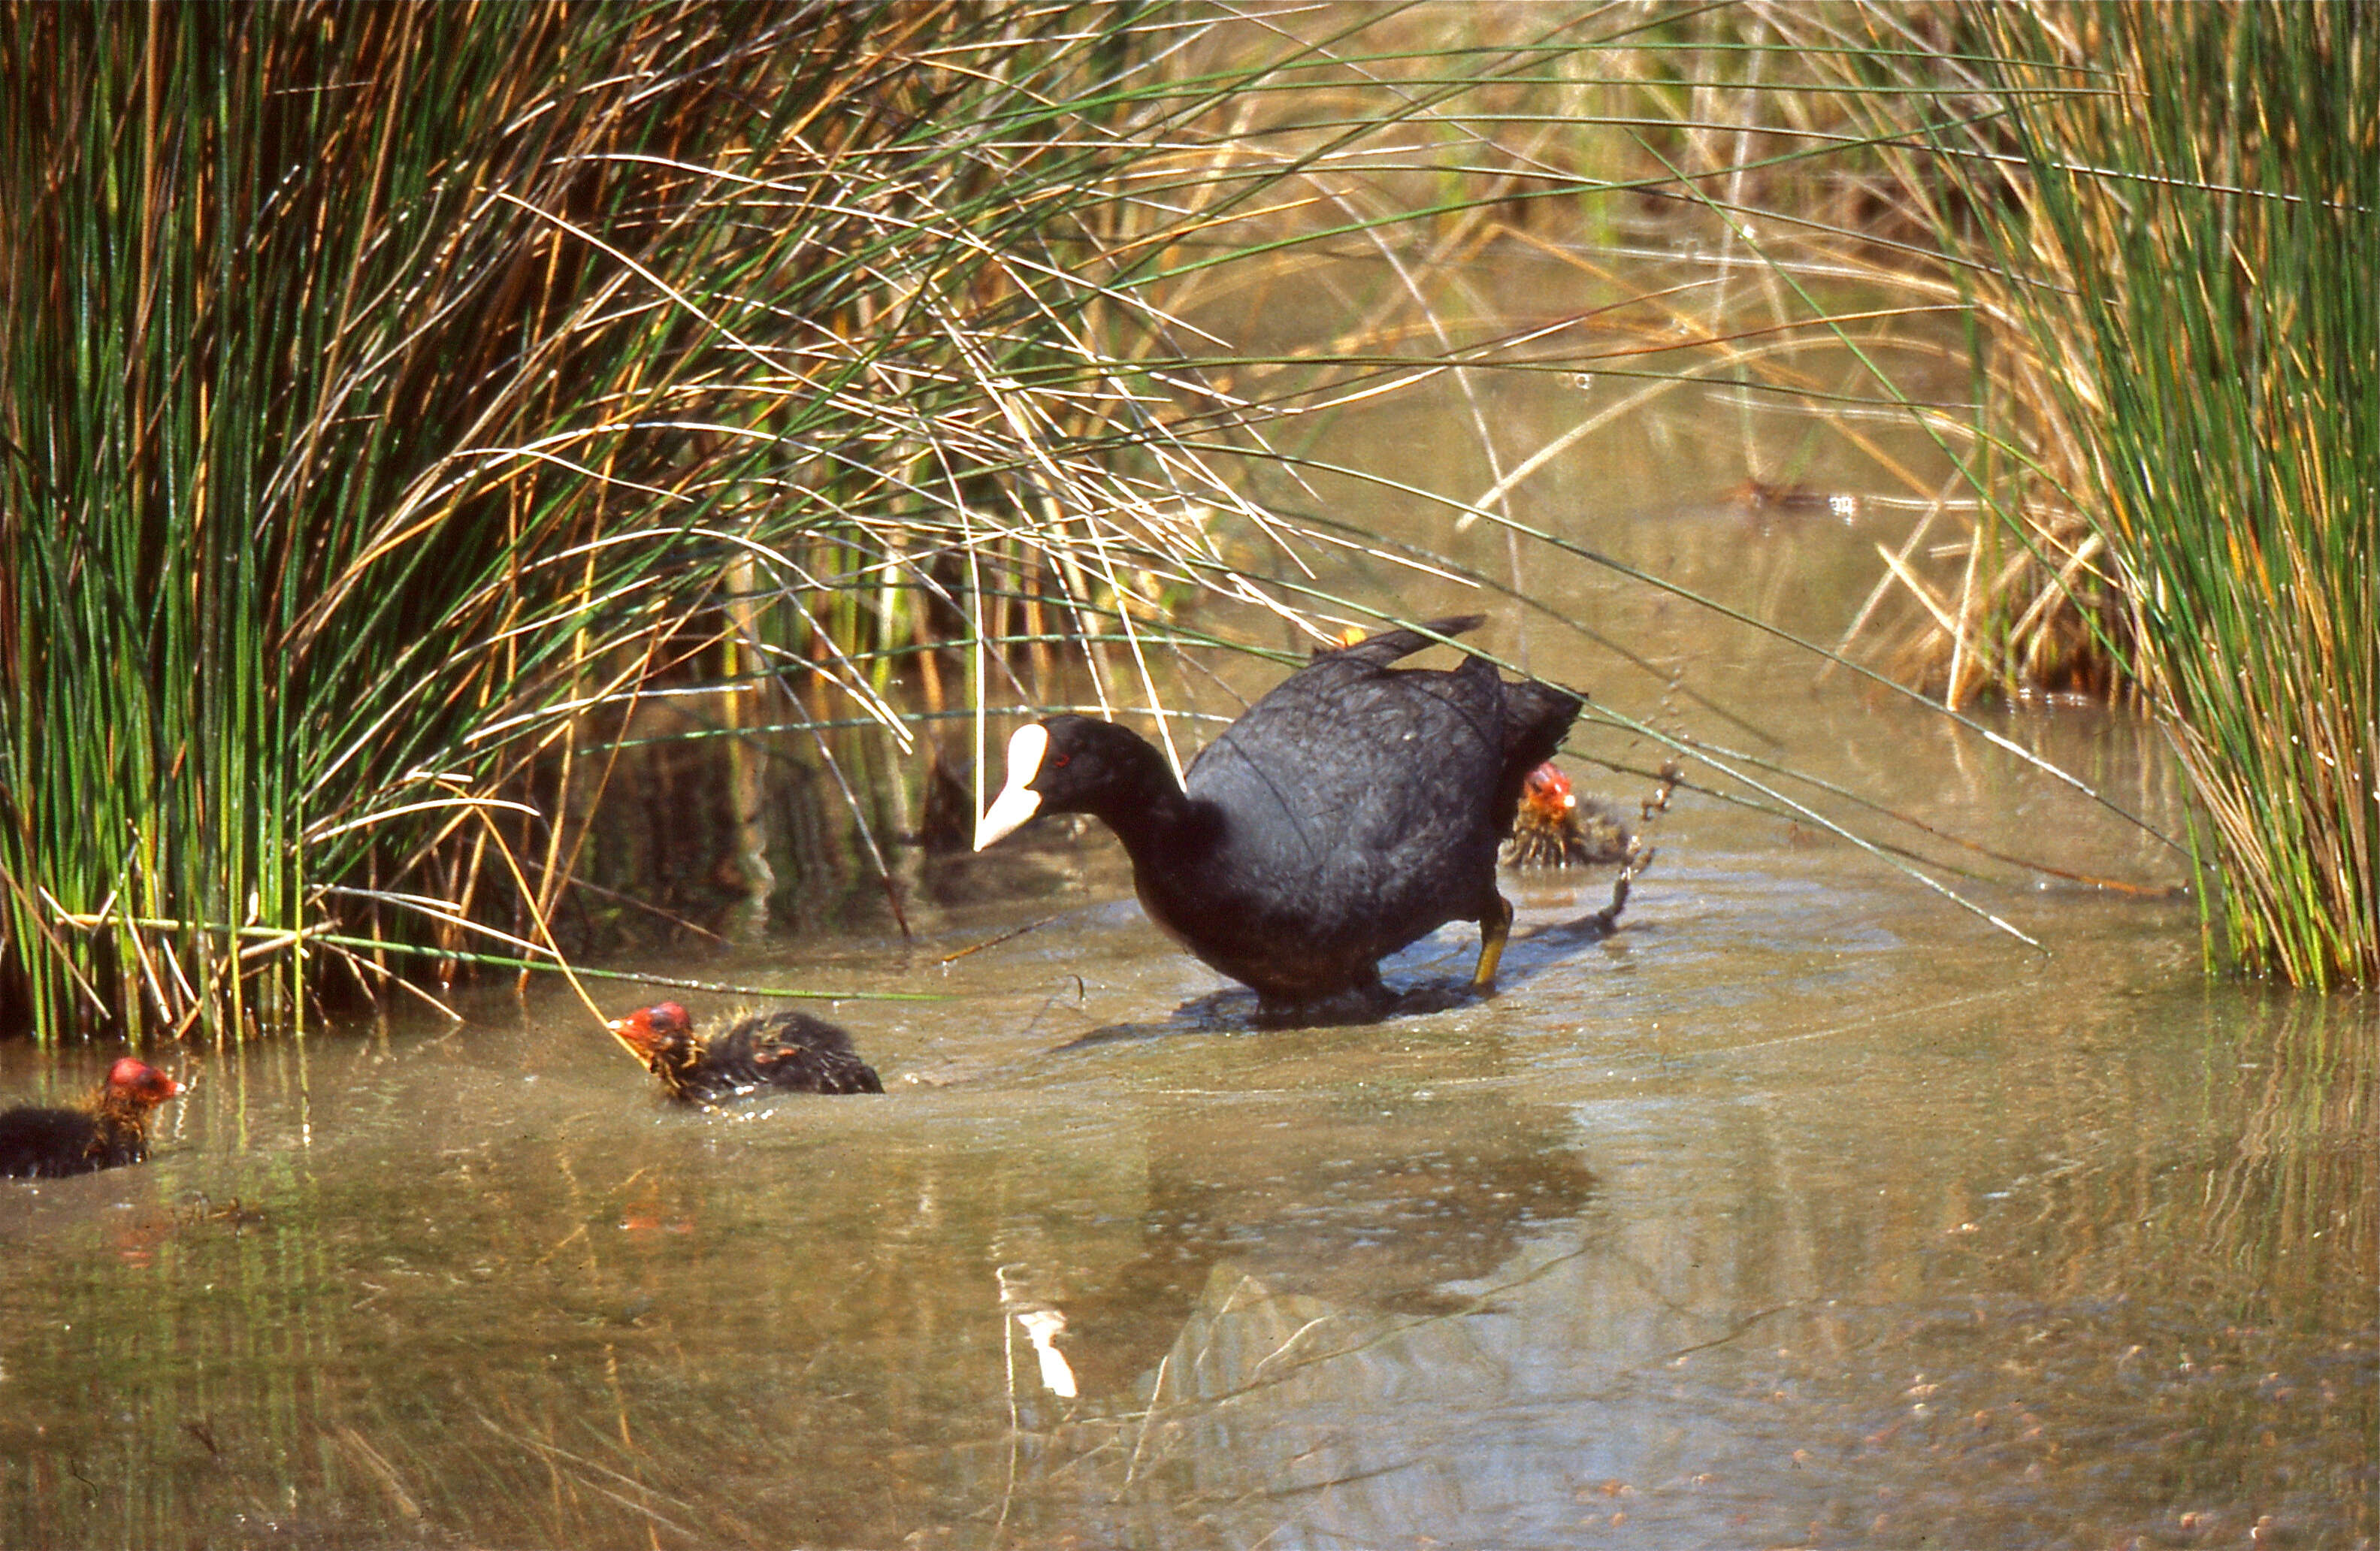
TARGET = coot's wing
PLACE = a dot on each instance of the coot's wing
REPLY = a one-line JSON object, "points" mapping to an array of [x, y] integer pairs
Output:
{"points": [[792, 1049], [1357, 801], [1536, 718]]}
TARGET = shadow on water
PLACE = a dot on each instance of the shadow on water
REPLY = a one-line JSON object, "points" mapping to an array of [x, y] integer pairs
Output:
{"points": [[1529, 952]]}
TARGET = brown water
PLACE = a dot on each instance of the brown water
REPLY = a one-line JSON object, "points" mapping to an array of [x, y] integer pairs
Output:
{"points": [[1801, 1212], [1807, 1210]]}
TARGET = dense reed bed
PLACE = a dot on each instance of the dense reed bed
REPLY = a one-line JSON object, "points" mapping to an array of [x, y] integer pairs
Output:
{"points": [[2162, 219], [2190, 216], [395, 395], [2153, 225]]}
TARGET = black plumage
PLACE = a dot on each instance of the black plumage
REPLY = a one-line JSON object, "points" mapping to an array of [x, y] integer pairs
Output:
{"points": [[1354, 810], [110, 1130], [788, 1051]]}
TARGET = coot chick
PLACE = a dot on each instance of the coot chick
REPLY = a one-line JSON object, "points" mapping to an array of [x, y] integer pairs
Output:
{"points": [[791, 1051], [109, 1129], [1351, 810], [1553, 829]]}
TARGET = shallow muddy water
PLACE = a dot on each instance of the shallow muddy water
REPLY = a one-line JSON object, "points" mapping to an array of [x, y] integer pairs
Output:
{"points": [[1803, 1210]]}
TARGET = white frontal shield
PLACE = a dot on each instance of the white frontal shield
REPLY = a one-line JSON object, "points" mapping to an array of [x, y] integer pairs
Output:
{"points": [[1017, 800]]}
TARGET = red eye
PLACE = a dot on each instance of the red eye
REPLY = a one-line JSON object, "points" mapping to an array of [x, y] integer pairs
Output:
{"points": [[1058, 760]]}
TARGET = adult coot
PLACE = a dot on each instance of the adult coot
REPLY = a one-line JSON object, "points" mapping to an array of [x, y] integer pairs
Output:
{"points": [[1354, 808], [792, 1051], [110, 1128]]}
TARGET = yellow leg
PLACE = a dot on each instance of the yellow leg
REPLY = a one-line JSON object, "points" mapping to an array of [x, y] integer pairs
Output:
{"points": [[1494, 927]]}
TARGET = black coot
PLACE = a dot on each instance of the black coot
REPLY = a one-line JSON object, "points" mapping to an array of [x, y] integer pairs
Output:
{"points": [[111, 1128], [791, 1051], [1354, 810]]}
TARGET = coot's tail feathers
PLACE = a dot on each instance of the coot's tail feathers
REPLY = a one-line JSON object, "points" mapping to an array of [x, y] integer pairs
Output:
{"points": [[1390, 645], [1536, 718]]}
